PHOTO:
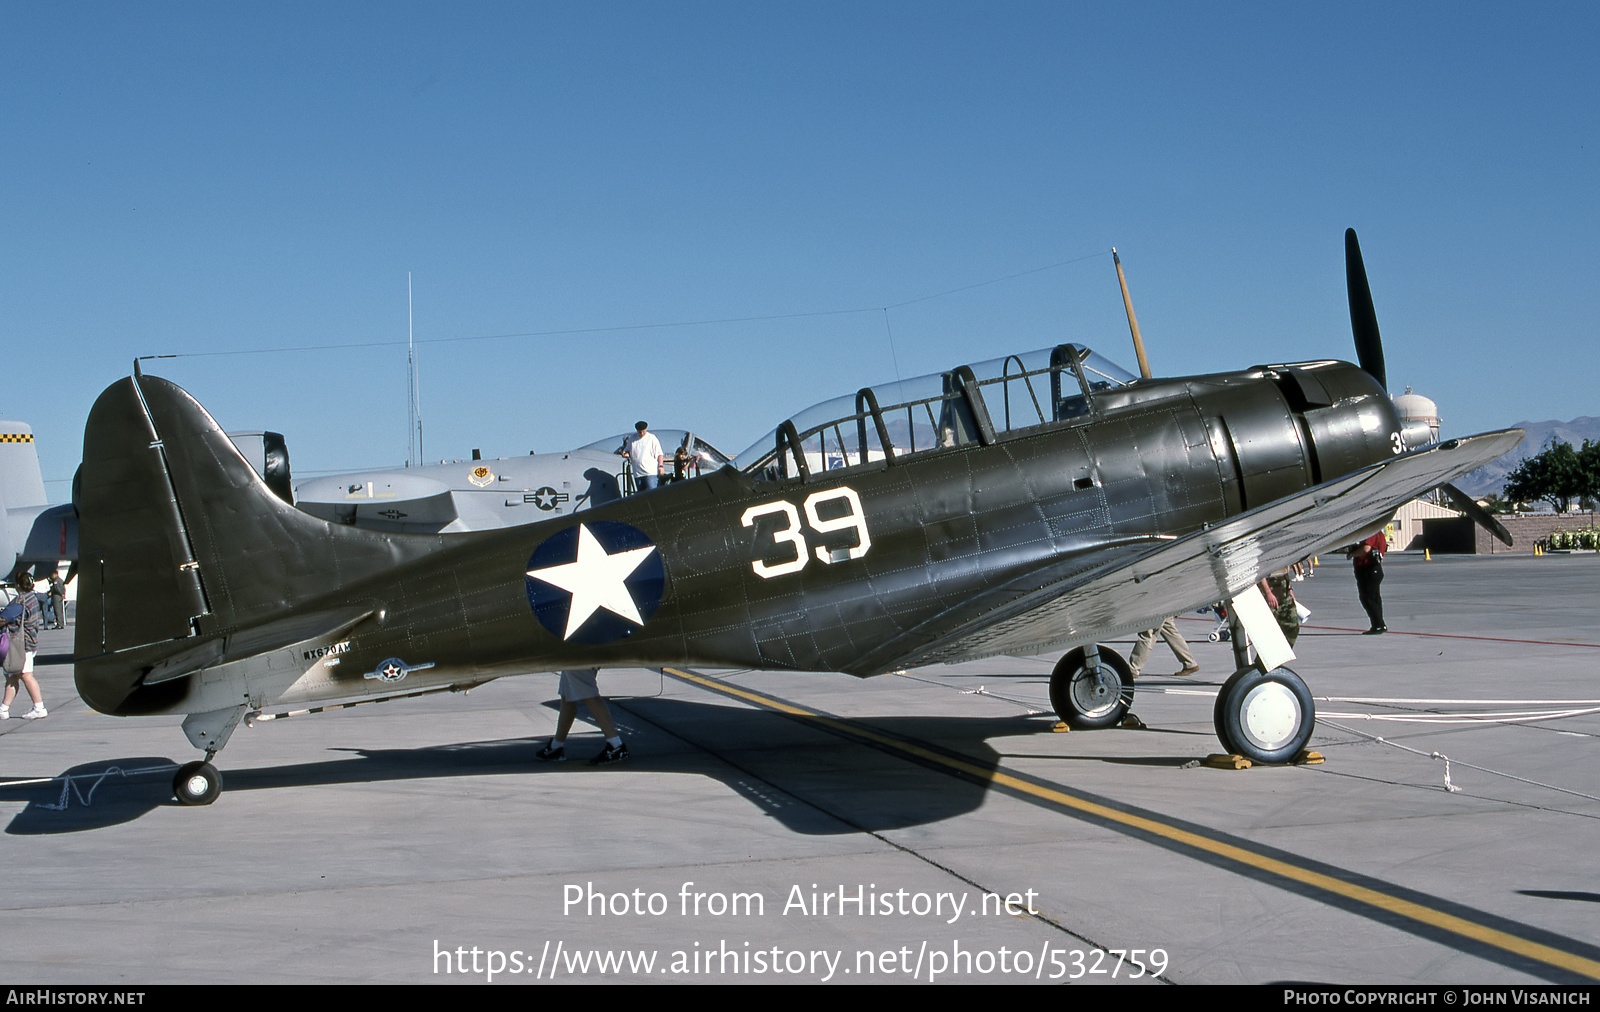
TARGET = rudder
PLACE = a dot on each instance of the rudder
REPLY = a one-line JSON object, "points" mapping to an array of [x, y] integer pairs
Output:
{"points": [[181, 538]]}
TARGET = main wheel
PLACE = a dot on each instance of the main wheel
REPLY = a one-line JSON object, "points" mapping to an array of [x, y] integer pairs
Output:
{"points": [[1267, 717], [197, 783], [1090, 699]]}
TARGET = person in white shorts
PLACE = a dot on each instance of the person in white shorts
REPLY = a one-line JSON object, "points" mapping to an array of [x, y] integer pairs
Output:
{"points": [[27, 624], [579, 687]]}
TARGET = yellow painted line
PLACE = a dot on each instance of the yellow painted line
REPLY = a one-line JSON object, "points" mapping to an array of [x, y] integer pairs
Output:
{"points": [[1361, 894]]}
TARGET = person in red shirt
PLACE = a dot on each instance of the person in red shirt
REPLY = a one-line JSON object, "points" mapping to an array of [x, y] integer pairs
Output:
{"points": [[1368, 560]]}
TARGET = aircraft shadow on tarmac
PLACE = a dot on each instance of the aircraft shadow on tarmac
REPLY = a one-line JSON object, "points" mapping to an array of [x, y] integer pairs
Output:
{"points": [[1561, 894], [804, 773]]}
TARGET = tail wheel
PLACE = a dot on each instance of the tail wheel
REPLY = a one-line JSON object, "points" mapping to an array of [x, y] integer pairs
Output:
{"points": [[1267, 717], [197, 783], [1086, 698]]}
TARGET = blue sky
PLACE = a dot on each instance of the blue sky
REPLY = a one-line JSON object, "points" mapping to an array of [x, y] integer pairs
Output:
{"points": [[208, 179]]}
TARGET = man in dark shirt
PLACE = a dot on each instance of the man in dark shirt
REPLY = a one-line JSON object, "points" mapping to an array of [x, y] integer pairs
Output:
{"points": [[1368, 560]]}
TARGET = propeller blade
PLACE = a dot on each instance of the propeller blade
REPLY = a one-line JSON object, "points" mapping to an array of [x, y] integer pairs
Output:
{"points": [[1363, 317], [1480, 516]]}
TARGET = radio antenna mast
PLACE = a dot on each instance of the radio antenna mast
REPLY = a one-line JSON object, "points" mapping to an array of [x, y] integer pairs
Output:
{"points": [[414, 420]]}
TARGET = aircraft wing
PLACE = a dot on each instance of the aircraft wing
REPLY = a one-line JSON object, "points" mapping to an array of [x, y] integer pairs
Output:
{"points": [[1080, 599]]}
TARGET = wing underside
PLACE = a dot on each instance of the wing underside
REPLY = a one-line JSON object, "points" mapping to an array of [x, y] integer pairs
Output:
{"points": [[1136, 587]]}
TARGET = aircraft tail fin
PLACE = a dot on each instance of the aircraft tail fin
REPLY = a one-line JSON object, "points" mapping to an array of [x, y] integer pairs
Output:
{"points": [[21, 483], [180, 538]]}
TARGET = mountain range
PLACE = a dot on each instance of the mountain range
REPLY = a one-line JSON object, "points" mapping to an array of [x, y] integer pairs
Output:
{"points": [[1491, 477]]}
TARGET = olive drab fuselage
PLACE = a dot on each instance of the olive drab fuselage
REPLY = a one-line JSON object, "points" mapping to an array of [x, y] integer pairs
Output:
{"points": [[843, 568]]}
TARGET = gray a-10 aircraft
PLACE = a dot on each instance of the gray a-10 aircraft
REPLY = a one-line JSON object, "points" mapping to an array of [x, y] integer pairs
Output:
{"points": [[475, 495], [438, 498], [1042, 501]]}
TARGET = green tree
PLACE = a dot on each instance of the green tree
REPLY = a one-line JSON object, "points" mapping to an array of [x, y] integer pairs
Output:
{"points": [[1558, 474], [1589, 463]]}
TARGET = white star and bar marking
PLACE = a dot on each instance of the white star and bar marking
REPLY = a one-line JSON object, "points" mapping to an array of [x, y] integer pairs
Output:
{"points": [[596, 580]]}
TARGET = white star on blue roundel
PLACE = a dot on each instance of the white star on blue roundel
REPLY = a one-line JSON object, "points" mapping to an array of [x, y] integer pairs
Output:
{"points": [[596, 582]]}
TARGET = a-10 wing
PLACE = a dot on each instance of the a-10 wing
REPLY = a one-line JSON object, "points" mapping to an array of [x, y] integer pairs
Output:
{"points": [[1132, 585]]}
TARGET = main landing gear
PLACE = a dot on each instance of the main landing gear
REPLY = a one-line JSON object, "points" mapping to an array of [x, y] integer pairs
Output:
{"points": [[1265, 716], [1091, 688]]}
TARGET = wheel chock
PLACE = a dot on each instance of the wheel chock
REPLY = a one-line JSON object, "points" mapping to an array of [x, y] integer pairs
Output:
{"points": [[1306, 758], [1219, 761], [1060, 728], [1132, 723]]}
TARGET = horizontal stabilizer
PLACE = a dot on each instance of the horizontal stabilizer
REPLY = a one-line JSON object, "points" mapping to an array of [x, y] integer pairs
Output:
{"points": [[258, 640], [53, 536]]}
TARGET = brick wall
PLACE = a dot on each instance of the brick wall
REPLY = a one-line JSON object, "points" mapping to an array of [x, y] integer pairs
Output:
{"points": [[1526, 528]]}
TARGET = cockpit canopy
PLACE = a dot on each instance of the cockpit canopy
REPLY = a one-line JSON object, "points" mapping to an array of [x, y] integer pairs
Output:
{"points": [[935, 412]]}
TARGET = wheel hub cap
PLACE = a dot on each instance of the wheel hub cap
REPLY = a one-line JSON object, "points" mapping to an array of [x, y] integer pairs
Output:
{"points": [[1096, 691], [1270, 716]]}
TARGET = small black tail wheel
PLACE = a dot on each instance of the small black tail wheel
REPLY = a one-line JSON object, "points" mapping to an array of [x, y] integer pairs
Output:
{"points": [[1265, 716], [197, 783], [1088, 699]]}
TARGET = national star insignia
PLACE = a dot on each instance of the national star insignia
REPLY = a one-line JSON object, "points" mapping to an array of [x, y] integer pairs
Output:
{"points": [[596, 580]]}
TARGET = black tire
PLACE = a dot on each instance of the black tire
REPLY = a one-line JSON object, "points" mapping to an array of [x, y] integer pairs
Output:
{"points": [[1267, 717], [1084, 702], [197, 783]]}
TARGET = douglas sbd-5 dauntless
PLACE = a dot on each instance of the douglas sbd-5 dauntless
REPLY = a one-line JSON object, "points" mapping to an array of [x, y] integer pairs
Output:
{"points": [[1045, 500]]}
